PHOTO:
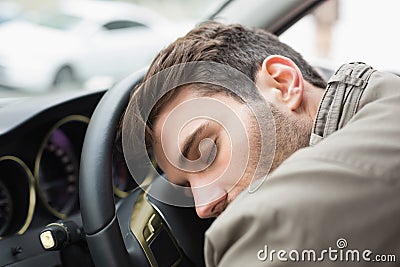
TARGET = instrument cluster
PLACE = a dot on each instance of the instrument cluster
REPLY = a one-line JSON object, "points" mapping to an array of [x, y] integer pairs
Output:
{"points": [[44, 187]]}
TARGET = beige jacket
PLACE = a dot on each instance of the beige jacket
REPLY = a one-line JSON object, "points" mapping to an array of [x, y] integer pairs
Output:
{"points": [[331, 203]]}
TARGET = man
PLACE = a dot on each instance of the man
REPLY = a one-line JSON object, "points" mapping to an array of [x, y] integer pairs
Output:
{"points": [[343, 187]]}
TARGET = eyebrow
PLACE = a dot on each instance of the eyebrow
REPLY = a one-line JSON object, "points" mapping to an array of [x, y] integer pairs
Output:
{"points": [[187, 145]]}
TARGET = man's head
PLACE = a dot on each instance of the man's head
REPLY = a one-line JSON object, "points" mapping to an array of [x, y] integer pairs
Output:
{"points": [[217, 154]]}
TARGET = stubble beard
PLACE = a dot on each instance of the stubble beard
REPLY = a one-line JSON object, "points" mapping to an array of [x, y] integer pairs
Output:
{"points": [[292, 134]]}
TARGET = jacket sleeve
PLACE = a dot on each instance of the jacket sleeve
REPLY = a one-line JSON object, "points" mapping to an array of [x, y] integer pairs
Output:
{"points": [[309, 208]]}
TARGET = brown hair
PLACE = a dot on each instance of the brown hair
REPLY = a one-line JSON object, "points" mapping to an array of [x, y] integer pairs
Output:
{"points": [[234, 45]]}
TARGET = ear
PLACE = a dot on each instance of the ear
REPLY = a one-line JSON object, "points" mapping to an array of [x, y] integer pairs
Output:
{"points": [[283, 79]]}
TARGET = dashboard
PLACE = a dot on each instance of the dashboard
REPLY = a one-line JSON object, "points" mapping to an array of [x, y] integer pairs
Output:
{"points": [[41, 140]]}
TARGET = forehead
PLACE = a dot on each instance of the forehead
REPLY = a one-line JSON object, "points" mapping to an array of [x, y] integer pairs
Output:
{"points": [[188, 101], [179, 96]]}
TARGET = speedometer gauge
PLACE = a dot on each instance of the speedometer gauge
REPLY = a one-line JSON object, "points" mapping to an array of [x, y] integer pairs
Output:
{"points": [[6, 206], [57, 166], [59, 173]]}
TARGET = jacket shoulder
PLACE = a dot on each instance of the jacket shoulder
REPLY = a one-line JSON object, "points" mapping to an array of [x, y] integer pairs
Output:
{"points": [[306, 207]]}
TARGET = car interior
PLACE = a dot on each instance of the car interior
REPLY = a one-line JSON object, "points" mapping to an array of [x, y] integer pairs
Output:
{"points": [[66, 194]]}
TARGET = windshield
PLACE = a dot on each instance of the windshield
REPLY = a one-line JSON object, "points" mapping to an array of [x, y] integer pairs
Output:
{"points": [[106, 41]]}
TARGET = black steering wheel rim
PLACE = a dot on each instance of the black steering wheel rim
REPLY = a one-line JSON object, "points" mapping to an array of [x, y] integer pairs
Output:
{"points": [[95, 186], [163, 234]]}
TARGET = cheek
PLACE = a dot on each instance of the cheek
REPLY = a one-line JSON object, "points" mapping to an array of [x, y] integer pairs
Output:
{"points": [[235, 156], [223, 157], [228, 166]]}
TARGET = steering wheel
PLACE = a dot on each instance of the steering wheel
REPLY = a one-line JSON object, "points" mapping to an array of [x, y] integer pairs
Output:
{"points": [[141, 231]]}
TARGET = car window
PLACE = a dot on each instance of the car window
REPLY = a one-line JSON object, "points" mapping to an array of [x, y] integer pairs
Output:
{"points": [[123, 24], [55, 20], [341, 31], [54, 47]]}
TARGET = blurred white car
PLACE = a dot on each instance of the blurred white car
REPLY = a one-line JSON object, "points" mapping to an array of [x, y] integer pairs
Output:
{"points": [[8, 10], [79, 41]]}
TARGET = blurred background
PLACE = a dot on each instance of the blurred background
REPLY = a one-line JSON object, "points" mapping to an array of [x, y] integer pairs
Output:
{"points": [[174, 9], [50, 45], [342, 31]]}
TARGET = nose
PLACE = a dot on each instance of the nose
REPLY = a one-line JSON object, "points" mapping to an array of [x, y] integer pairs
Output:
{"points": [[210, 197], [212, 209]]}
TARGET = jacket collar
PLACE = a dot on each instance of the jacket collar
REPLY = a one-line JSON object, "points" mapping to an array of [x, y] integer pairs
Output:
{"points": [[341, 99]]}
